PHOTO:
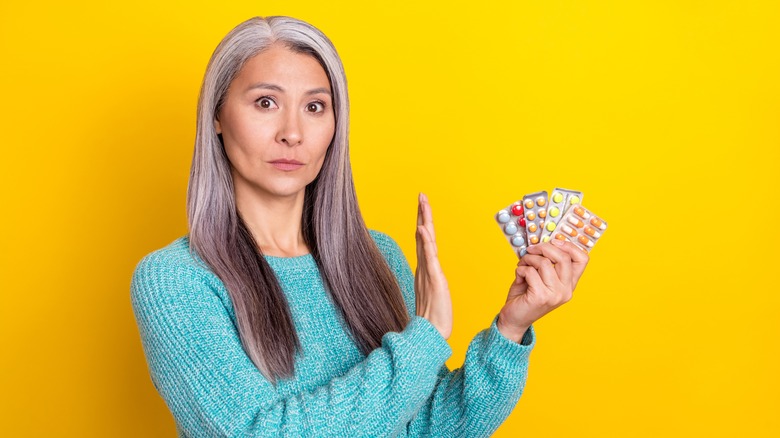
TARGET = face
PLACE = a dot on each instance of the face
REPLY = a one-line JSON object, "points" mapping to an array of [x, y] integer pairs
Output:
{"points": [[277, 122]]}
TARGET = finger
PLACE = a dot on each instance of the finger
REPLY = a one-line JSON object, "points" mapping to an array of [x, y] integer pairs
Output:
{"points": [[545, 268], [431, 258], [561, 259], [417, 235], [531, 277], [428, 219], [579, 260]]}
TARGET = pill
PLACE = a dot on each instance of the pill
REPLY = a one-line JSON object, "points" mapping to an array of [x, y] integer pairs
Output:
{"points": [[550, 226], [517, 210], [596, 222], [542, 213], [521, 222], [559, 236], [574, 221], [522, 252], [534, 240], [545, 238], [581, 212], [510, 228], [568, 230], [585, 241], [517, 240], [532, 228], [558, 197], [530, 216], [529, 203], [591, 232], [574, 200], [503, 217], [554, 212], [540, 201]]}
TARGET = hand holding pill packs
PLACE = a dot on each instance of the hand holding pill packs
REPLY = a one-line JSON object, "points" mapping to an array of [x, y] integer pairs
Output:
{"points": [[537, 218]]}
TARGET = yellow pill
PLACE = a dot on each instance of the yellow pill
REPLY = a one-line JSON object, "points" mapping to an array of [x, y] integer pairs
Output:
{"points": [[540, 201], [545, 239], [530, 216], [557, 197], [550, 226], [554, 212], [542, 213], [529, 204], [574, 200]]}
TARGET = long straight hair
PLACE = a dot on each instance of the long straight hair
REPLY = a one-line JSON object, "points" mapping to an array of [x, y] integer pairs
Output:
{"points": [[353, 269]]}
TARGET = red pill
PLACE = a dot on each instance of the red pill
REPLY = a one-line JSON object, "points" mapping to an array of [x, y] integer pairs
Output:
{"points": [[521, 222], [517, 210]]}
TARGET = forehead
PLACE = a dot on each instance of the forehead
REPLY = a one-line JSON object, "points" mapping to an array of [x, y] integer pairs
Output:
{"points": [[281, 66]]}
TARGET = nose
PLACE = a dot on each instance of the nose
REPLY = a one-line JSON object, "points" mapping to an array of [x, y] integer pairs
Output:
{"points": [[290, 133]]}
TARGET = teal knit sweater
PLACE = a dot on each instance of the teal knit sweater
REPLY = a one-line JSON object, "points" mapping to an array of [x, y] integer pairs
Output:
{"points": [[403, 388]]}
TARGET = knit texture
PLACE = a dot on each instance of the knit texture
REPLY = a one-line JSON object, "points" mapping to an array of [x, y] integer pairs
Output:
{"points": [[197, 364]]}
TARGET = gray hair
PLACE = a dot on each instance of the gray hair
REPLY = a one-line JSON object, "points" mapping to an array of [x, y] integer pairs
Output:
{"points": [[352, 267]]}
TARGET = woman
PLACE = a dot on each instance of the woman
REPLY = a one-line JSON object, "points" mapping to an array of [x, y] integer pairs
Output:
{"points": [[280, 313]]}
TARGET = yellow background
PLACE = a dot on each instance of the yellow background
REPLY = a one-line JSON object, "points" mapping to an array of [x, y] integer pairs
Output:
{"points": [[664, 113]]}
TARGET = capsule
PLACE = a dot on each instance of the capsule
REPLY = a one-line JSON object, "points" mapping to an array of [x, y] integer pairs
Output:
{"points": [[596, 222], [530, 216], [559, 236], [585, 241], [529, 204], [540, 201], [534, 240], [579, 211], [542, 213], [532, 228], [574, 221], [591, 232], [568, 230]]}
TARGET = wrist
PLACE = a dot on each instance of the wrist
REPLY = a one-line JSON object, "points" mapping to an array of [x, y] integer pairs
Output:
{"points": [[514, 334]]}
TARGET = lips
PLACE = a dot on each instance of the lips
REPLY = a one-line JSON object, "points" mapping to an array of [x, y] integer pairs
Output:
{"points": [[286, 165]]}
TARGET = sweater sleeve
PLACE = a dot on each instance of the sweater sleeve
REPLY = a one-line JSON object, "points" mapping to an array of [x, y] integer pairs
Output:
{"points": [[212, 388], [475, 399]]}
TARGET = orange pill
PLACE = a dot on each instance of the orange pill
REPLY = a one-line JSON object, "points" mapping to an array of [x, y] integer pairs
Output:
{"points": [[532, 228], [529, 204], [560, 236], [540, 201], [576, 222], [596, 222], [530, 216], [585, 241], [568, 230], [542, 213], [534, 240], [590, 231], [579, 211]]}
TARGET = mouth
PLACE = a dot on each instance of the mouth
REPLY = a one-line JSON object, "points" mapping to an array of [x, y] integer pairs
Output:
{"points": [[286, 165]]}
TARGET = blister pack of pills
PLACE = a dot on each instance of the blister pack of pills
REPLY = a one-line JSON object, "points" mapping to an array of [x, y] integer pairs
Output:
{"points": [[559, 202], [536, 219], [512, 223], [581, 227], [535, 207]]}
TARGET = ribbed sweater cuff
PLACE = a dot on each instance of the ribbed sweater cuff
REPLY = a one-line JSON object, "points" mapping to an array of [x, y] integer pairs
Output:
{"points": [[506, 351], [432, 348]]}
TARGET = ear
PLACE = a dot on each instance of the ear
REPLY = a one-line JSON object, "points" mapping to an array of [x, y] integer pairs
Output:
{"points": [[217, 126]]}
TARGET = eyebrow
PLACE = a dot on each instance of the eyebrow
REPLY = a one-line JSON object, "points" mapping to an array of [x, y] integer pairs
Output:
{"points": [[267, 86]]}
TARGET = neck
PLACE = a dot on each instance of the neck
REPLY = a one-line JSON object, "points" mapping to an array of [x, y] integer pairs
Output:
{"points": [[275, 222]]}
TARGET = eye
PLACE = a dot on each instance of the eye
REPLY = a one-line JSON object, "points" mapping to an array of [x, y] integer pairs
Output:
{"points": [[265, 102], [315, 107]]}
